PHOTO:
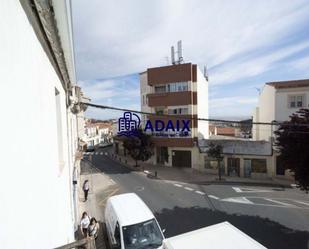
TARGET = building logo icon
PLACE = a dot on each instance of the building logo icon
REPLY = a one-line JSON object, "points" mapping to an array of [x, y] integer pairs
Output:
{"points": [[128, 124]]}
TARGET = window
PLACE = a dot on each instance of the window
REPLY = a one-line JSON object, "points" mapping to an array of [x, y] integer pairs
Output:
{"points": [[159, 110], [142, 235], [178, 111], [177, 87], [211, 163], [160, 89], [296, 101], [258, 166]]}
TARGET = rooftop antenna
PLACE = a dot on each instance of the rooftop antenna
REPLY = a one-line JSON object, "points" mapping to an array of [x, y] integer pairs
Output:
{"points": [[167, 60], [206, 73], [179, 52], [173, 55], [259, 90]]}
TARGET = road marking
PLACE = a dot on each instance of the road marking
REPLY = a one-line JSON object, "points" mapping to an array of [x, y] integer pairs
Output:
{"points": [[200, 192], [101, 153], [301, 202], [101, 203], [279, 202], [96, 153], [213, 197], [250, 190], [177, 185], [139, 188], [187, 188], [242, 200]]}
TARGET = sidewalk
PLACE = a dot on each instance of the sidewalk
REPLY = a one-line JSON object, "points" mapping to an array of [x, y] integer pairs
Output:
{"points": [[101, 187], [190, 175]]}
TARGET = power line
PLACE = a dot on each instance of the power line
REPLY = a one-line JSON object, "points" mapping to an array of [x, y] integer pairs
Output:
{"points": [[274, 123]]}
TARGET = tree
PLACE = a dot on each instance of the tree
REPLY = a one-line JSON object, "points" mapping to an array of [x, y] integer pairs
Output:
{"points": [[139, 146], [216, 151], [292, 140]]}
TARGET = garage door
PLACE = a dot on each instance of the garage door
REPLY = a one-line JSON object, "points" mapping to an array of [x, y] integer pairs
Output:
{"points": [[181, 158]]}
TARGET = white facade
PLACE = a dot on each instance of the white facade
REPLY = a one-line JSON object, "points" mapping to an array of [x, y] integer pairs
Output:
{"points": [[202, 105], [38, 209], [275, 105], [96, 133]]}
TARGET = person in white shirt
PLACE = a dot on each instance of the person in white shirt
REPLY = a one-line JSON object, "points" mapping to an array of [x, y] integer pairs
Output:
{"points": [[84, 224], [86, 189]]}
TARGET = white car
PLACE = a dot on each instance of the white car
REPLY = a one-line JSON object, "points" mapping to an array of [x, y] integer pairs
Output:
{"points": [[130, 224]]}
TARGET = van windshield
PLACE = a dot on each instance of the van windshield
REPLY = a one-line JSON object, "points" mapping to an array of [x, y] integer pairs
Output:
{"points": [[142, 235]]}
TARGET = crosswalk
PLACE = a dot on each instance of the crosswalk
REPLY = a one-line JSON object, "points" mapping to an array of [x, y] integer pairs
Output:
{"points": [[93, 153], [251, 200], [268, 201]]}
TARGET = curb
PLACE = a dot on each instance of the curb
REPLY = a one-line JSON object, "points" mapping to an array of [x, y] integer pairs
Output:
{"points": [[152, 175], [262, 184]]}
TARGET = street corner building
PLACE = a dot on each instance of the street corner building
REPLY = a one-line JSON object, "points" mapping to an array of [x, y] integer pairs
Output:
{"points": [[277, 101], [41, 124], [181, 92]]}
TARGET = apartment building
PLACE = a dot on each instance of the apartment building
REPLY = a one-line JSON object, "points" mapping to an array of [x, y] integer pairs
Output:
{"points": [[38, 186], [277, 101], [180, 91]]}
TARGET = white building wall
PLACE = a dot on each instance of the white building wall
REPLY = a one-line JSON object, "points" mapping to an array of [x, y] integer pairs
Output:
{"points": [[202, 105], [145, 89], [266, 112], [283, 111], [36, 193], [274, 105]]}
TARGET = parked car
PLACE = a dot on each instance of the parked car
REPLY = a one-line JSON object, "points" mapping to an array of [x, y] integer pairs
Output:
{"points": [[130, 224], [90, 148]]}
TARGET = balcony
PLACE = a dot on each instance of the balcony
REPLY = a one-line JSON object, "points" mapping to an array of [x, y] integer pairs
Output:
{"points": [[172, 98], [174, 118]]}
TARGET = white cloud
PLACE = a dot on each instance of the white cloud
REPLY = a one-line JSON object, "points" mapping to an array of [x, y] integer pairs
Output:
{"points": [[235, 71], [121, 37], [101, 91]]}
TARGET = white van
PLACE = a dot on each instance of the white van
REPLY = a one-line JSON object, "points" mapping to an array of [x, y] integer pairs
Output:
{"points": [[220, 236], [130, 224]]}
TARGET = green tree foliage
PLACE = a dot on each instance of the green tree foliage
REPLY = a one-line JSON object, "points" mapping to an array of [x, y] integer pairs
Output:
{"points": [[292, 140], [216, 151], [139, 146]]}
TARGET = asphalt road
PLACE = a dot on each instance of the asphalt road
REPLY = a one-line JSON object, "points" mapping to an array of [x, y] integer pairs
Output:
{"points": [[277, 218]]}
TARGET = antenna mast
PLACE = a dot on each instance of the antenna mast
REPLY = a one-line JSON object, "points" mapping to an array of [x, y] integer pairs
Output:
{"points": [[206, 73], [179, 51], [173, 55]]}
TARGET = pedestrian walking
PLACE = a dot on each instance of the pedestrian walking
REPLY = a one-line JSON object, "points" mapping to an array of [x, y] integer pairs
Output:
{"points": [[86, 189], [93, 228], [84, 224]]}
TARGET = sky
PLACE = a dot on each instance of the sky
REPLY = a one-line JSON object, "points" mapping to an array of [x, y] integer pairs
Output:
{"points": [[244, 44]]}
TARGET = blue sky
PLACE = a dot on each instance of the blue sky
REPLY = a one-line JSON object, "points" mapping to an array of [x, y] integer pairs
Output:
{"points": [[243, 43]]}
